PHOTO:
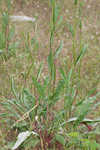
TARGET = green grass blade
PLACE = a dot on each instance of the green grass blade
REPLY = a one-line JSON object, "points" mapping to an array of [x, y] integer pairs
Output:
{"points": [[39, 71], [58, 92], [63, 74], [58, 50], [6, 115], [51, 66], [83, 50], [13, 88], [12, 106], [39, 87], [50, 62], [10, 109], [28, 99], [69, 77], [71, 29]]}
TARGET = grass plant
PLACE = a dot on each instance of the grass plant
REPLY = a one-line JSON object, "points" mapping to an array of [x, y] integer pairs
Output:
{"points": [[32, 113]]}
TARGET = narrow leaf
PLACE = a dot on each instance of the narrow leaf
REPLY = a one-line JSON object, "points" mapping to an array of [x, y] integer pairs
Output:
{"points": [[39, 87], [39, 71], [22, 137], [58, 50], [81, 54]]}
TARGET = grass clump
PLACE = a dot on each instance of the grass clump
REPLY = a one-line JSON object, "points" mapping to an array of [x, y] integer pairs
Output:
{"points": [[33, 114]]}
